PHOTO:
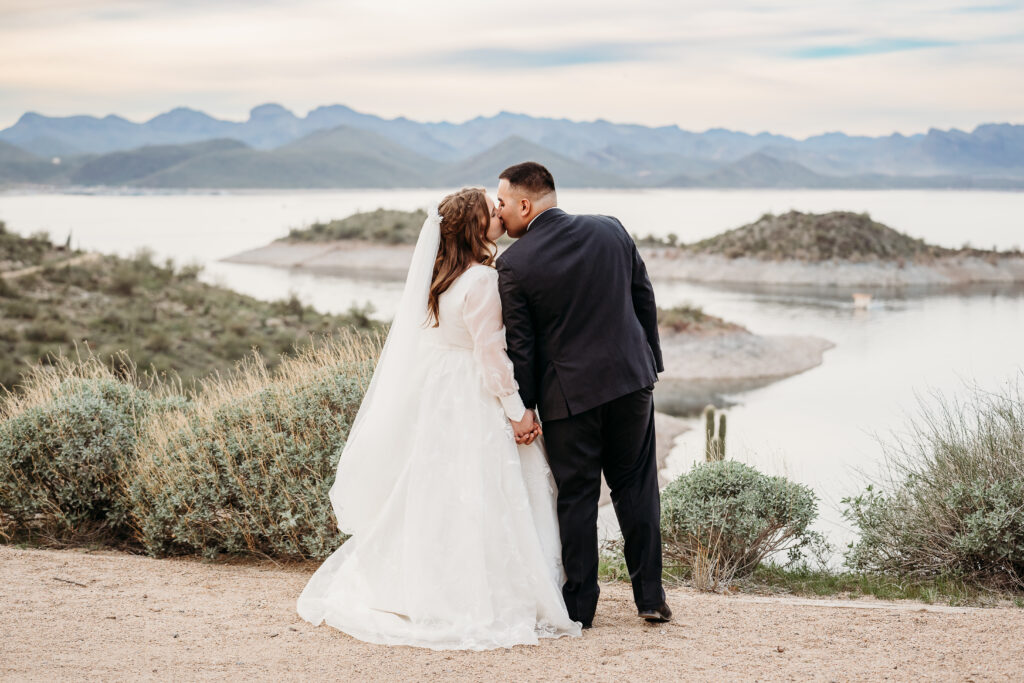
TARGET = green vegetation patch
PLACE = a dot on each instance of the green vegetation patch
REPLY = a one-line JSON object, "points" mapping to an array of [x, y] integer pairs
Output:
{"points": [[245, 471], [383, 225], [165, 319], [689, 319], [838, 235], [23, 252]]}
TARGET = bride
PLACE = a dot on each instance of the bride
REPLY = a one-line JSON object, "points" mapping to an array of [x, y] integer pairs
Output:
{"points": [[454, 538]]}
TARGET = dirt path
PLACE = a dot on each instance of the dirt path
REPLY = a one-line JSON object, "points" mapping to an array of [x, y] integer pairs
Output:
{"points": [[74, 260], [75, 615]]}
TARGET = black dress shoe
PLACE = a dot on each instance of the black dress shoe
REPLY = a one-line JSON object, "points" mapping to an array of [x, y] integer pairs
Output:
{"points": [[657, 615]]}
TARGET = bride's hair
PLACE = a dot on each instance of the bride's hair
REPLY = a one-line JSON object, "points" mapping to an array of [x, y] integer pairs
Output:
{"points": [[464, 222]]}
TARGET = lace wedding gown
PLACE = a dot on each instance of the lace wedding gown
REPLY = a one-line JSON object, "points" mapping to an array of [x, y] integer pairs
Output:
{"points": [[462, 552]]}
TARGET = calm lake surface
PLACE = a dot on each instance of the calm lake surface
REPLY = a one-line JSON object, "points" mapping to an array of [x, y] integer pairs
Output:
{"points": [[820, 427]]}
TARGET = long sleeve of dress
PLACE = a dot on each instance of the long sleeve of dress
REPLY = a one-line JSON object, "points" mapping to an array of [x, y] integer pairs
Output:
{"points": [[481, 313]]}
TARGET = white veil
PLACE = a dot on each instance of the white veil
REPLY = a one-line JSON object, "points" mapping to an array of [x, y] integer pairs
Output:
{"points": [[380, 440]]}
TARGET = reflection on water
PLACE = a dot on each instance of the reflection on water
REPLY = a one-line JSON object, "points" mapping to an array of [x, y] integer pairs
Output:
{"points": [[823, 426], [326, 293]]}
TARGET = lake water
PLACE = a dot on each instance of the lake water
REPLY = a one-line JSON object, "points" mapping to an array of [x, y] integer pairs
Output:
{"points": [[820, 427]]}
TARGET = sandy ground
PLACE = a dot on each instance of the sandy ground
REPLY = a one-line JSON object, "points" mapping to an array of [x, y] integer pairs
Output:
{"points": [[76, 615], [353, 258]]}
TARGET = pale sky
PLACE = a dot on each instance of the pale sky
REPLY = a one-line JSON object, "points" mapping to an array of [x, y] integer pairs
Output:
{"points": [[799, 68]]}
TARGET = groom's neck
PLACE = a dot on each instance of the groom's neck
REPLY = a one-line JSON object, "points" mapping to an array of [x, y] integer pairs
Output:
{"points": [[542, 204]]}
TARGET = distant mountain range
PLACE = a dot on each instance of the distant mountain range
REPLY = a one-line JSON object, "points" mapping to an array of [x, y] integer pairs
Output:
{"points": [[336, 146]]}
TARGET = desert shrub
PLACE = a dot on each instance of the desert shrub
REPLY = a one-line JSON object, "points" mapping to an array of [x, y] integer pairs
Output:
{"points": [[25, 251], [157, 341], [64, 448], [190, 271], [723, 518], [248, 468], [78, 276], [124, 279], [48, 331], [950, 500], [7, 289], [361, 316], [26, 310]]}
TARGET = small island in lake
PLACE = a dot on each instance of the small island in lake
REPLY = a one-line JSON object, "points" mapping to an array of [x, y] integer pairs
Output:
{"points": [[838, 249]]}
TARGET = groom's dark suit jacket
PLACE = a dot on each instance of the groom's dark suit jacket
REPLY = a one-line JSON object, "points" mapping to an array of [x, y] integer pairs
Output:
{"points": [[580, 319]]}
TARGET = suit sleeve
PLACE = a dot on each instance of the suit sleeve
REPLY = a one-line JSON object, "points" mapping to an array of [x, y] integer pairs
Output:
{"points": [[644, 305], [519, 332]]}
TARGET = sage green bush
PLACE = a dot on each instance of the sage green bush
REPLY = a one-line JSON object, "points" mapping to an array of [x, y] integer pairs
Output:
{"points": [[729, 514], [950, 500], [62, 460], [247, 468]]}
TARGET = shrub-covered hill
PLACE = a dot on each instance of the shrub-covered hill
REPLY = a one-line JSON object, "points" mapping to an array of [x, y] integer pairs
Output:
{"points": [[161, 315], [839, 235], [383, 225], [18, 252]]}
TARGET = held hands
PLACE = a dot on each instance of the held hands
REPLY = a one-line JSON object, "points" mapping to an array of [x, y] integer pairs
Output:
{"points": [[526, 429]]}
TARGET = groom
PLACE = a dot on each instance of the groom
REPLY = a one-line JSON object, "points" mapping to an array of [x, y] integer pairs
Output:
{"points": [[582, 331]]}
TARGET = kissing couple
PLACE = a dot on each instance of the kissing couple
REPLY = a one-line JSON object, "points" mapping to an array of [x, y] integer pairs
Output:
{"points": [[473, 524]]}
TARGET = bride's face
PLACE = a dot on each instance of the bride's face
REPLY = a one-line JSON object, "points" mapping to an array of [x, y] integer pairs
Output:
{"points": [[496, 228]]}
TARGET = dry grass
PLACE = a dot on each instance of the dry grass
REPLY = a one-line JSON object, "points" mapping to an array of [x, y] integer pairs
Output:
{"points": [[710, 569]]}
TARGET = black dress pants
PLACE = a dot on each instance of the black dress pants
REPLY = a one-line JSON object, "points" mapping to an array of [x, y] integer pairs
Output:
{"points": [[617, 438]]}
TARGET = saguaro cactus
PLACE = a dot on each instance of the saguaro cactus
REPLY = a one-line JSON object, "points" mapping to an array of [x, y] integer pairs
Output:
{"points": [[714, 440], [709, 432], [720, 441]]}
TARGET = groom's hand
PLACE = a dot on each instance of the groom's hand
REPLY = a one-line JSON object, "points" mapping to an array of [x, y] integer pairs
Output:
{"points": [[526, 428], [528, 439]]}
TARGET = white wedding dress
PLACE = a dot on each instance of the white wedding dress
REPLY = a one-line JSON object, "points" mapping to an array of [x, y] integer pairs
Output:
{"points": [[455, 539]]}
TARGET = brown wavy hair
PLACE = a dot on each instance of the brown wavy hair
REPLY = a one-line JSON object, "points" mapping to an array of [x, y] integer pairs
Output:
{"points": [[464, 223]]}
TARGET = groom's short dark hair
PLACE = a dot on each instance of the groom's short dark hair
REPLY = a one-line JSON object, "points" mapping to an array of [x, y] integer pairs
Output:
{"points": [[530, 176]]}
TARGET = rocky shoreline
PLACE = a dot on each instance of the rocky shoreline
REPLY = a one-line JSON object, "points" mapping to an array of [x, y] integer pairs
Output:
{"points": [[699, 369], [346, 258], [675, 264], [361, 259]]}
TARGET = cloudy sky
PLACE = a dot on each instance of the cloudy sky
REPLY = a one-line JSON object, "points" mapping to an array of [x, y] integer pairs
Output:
{"points": [[794, 67]]}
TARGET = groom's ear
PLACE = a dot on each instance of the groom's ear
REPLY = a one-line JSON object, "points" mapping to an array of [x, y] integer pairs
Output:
{"points": [[524, 207]]}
